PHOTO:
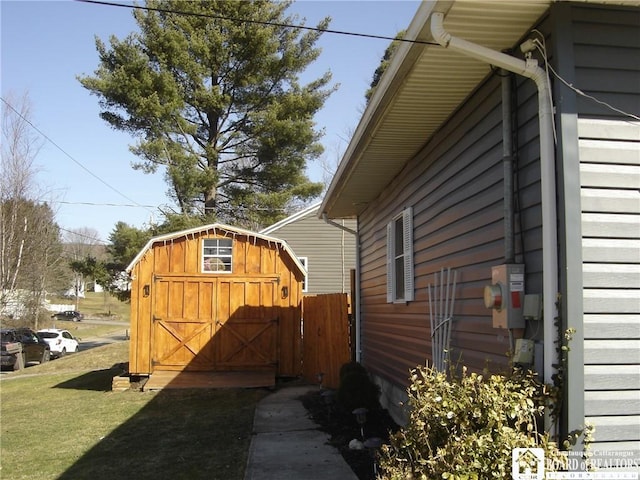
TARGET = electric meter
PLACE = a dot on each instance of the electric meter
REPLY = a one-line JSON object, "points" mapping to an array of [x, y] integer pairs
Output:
{"points": [[493, 296], [505, 295]]}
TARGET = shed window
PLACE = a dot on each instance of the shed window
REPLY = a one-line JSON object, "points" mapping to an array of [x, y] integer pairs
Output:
{"points": [[217, 254], [400, 258]]}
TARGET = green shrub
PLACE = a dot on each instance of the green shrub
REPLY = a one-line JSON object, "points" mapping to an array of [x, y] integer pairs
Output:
{"points": [[352, 367], [356, 388], [467, 427]]}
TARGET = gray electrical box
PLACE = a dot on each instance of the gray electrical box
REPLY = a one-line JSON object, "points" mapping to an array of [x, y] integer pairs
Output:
{"points": [[532, 307], [505, 295], [523, 354]]}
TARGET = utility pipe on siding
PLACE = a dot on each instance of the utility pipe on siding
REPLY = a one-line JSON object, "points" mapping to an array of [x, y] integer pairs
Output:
{"points": [[507, 173], [528, 68], [357, 306], [507, 165]]}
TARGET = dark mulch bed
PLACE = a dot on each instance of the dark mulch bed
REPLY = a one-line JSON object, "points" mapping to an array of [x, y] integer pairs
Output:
{"points": [[342, 427]]}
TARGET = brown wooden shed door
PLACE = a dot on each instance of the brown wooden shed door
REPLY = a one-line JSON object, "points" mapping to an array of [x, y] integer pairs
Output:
{"points": [[184, 314], [247, 326], [210, 324]]}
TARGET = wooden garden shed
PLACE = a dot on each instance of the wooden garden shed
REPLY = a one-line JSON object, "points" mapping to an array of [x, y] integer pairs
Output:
{"points": [[216, 299]]}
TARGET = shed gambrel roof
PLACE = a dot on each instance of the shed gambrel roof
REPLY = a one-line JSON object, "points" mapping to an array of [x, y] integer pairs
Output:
{"points": [[421, 88], [281, 245]]}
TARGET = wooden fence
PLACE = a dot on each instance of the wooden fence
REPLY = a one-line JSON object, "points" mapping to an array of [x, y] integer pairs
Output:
{"points": [[325, 337]]}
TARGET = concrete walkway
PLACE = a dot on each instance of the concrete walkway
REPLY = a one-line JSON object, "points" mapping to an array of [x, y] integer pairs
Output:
{"points": [[287, 444]]}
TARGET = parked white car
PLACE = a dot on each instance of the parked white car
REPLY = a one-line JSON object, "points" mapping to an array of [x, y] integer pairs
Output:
{"points": [[61, 342]]}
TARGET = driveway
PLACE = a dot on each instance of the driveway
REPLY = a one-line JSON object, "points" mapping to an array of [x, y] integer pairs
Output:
{"points": [[87, 343], [93, 342]]}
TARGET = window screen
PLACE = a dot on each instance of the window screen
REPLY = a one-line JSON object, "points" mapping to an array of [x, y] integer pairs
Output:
{"points": [[217, 255]]}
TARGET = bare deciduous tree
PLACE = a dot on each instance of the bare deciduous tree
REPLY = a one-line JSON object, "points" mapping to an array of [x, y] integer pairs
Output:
{"points": [[331, 164], [29, 238]]}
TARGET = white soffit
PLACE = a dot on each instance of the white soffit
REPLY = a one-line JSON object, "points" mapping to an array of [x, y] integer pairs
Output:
{"points": [[426, 84]]}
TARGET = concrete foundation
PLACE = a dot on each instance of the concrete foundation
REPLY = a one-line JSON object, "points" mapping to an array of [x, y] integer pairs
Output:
{"points": [[394, 399]]}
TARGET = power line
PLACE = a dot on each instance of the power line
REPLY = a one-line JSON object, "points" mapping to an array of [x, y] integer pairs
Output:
{"points": [[105, 204], [46, 137], [591, 97], [540, 45], [338, 32], [97, 240], [257, 22]]}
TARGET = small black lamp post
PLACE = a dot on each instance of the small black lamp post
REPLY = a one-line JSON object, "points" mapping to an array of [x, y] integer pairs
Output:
{"points": [[373, 444], [320, 376], [328, 396], [361, 418]]}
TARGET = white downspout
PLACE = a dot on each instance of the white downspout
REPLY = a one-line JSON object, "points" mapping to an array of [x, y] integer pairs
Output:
{"points": [[344, 228], [528, 68]]}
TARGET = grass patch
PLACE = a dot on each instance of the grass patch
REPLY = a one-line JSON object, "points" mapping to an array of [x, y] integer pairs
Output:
{"points": [[65, 423], [99, 305], [99, 358], [104, 305], [84, 330], [95, 306]]}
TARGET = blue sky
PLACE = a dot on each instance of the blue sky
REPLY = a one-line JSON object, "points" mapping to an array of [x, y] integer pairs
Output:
{"points": [[89, 179]]}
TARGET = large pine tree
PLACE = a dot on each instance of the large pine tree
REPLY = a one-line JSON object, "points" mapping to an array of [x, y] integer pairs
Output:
{"points": [[210, 90]]}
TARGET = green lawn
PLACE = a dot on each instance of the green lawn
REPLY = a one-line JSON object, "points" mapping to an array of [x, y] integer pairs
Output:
{"points": [[61, 421], [85, 330], [97, 305], [105, 305]]}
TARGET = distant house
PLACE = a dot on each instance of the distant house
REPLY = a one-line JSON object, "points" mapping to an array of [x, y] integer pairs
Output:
{"points": [[472, 155], [327, 250], [76, 291]]}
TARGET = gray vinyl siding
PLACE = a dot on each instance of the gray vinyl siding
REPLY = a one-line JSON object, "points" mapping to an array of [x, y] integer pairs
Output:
{"points": [[454, 185], [606, 56], [330, 251], [611, 277], [455, 188]]}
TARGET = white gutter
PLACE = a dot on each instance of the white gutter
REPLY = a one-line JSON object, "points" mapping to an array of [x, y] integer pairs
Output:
{"points": [[528, 68]]}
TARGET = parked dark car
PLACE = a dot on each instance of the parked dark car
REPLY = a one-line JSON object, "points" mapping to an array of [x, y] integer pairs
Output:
{"points": [[20, 346], [72, 315]]}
